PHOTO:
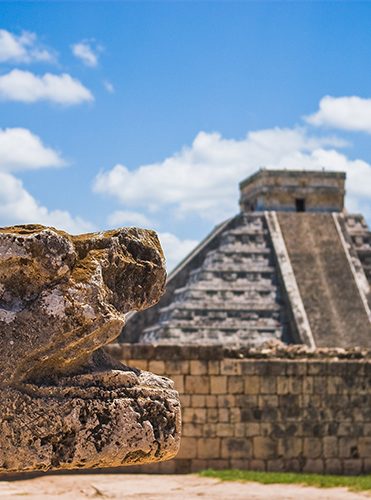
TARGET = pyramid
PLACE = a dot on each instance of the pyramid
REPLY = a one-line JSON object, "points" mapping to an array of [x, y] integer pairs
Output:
{"points": [[292, 266]]}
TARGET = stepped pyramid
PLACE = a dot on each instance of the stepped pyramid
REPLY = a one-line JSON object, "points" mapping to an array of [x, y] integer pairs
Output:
{"points": [[291, 266]]}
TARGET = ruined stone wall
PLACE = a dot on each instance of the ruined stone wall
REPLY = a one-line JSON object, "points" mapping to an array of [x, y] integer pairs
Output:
{"points": [[266, 409]]}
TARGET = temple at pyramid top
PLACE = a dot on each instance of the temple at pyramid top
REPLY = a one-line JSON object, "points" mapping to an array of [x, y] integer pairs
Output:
{"points": [[292, 265], [293, 191]]}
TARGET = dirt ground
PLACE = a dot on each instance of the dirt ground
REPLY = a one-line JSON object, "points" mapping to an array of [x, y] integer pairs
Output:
{"points": [[156, 487]]}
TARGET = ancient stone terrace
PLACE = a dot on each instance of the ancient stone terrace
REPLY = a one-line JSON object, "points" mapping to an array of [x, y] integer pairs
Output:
{"points": [[291, 266], [233, 296]]}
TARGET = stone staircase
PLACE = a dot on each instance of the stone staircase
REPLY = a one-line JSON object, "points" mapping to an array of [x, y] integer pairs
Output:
{"points": [[231, 297], [327, 285]]}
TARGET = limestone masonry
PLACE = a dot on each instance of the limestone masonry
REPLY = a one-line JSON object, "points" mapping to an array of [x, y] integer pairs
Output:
{"points": [[293, 266], [65, 403], [276, 408]]}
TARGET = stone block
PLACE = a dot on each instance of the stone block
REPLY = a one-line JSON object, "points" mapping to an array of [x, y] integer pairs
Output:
{"points": [[198, 401], [236, 448], [177, 367], [225, 430], [190, 429], [252, 429], [246, 400], [198, 367], [218, 464], [312, 447], [197, 465], [211, 401], [364, 447], [367, 466], [320, 385], [188, 448], [252, 384], [352, 467], [141, 364], [235, 415], [283, 385], [264, 448], [268, 400], [276, 465], [268, 385], [218, 384], [194, 415], [183, 466], [185, 400], [210, 430], [317, 368], [296, 385], [178, 381], [235, 384], [248, 367], [334, 385], [213, 367], [208, 448], [197, 384], [223, 415], [157, 367], [212, 414], [239, 429], [308, 385], [168, 467], [240, 463], [333, 466], [257, 465], [230, 367], [330, 447], [348, 447], [291, 447], [297, 368], [226, 401], [314, 466]]}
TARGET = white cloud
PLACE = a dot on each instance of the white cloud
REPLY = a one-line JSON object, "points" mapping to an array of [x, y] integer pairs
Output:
{"points": [[25, 86], [202, 180], [20, 149], [23, 48], [127, 218], [17, 206], [109, 87], [348, 113], [175, 249], [85, 52]]}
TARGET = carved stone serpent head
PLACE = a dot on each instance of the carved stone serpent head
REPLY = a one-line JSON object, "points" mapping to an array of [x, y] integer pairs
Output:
{"points": [[64, 403]]}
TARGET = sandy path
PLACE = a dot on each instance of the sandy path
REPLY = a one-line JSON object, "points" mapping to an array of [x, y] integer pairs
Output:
{"points": [[156, 487]]}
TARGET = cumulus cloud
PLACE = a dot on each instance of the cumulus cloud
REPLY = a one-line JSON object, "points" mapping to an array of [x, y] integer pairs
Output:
{"points": [[175, 249], [17, 206], [128, 218], [23, 48], [20, 149], [347, 113], [202, 179], [86, 53], [24, 86]]}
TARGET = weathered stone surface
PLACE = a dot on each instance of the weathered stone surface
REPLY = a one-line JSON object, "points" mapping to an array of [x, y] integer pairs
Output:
{"points": [[64, 403]]}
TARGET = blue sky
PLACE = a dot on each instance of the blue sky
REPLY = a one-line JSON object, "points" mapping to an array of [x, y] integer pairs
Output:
{"points": [[149, 113]]}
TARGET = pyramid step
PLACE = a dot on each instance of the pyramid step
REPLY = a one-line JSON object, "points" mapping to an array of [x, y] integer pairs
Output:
{"points": [[203, 305]]}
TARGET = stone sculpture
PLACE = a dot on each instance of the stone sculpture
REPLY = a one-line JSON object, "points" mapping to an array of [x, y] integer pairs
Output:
{"points": [[64, 403]]}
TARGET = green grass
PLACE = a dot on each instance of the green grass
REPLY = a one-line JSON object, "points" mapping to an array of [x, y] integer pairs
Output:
{"points": [[354, 483]]}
